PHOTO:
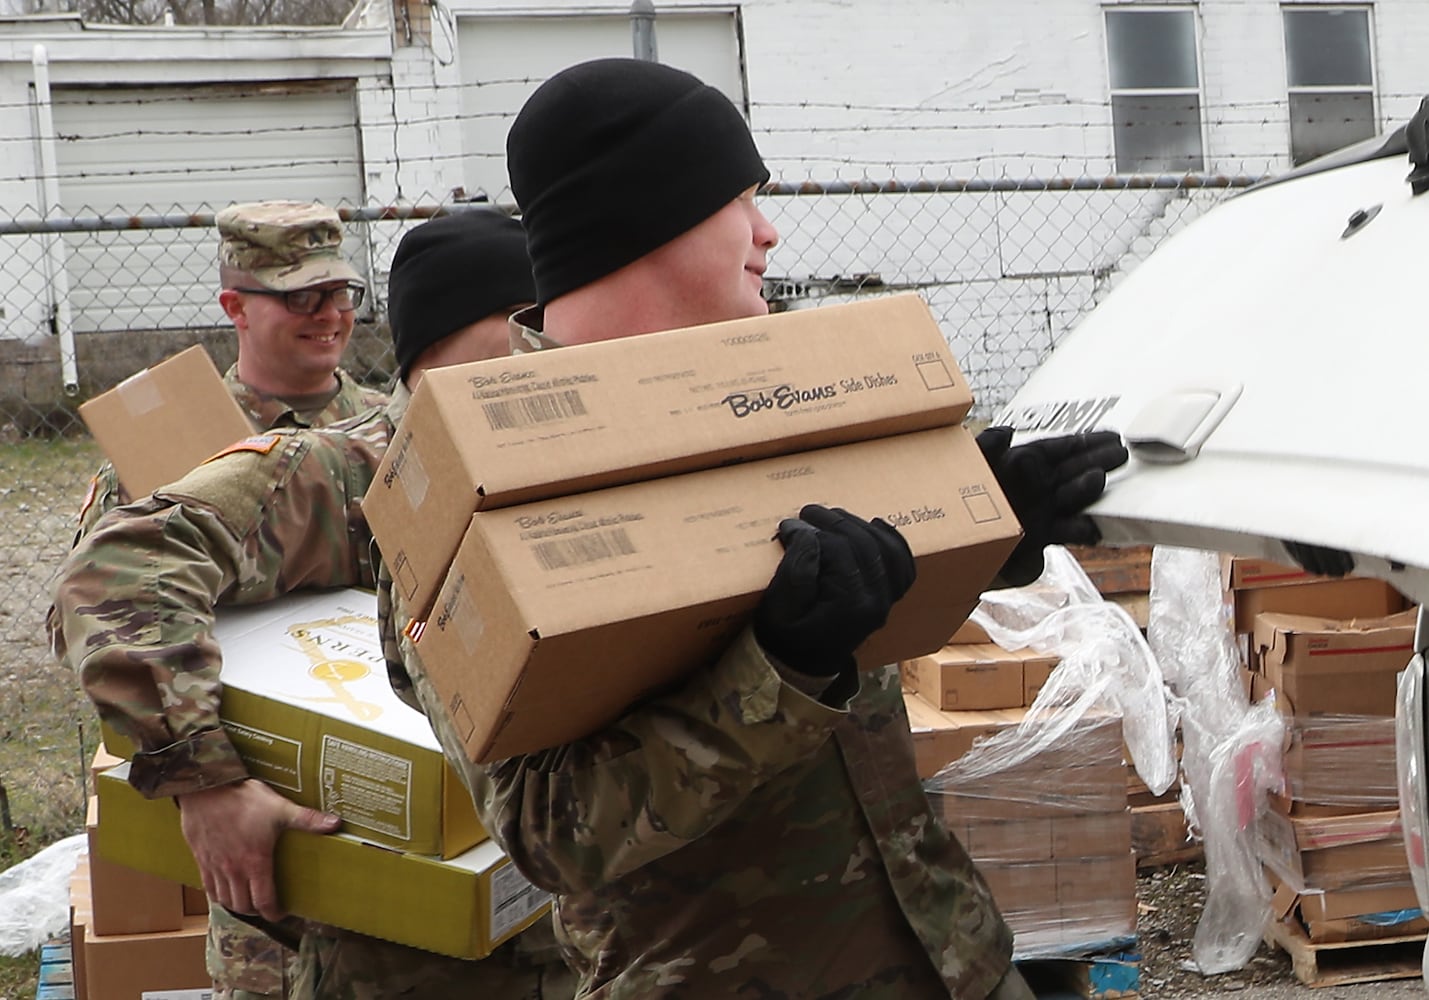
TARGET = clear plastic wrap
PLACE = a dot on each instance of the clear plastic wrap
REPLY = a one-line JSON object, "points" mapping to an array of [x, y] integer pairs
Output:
{"points": [[34, 897], [1232, 756], [1039, 801], [1105, 665]]}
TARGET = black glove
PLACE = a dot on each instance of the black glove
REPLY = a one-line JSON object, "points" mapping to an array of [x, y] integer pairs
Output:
{"points": [[834, 587], [1049, 484], [1320, 560]]}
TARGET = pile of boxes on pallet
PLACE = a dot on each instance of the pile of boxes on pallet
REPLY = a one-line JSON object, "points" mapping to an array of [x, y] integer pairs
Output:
{"points": [[1051, 833], [1329, 651]]}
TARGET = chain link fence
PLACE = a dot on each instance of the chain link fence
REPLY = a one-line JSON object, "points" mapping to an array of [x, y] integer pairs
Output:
{"points": [[1007, 267]]}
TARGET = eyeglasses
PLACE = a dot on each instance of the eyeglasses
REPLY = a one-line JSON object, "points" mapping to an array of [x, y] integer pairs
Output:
{"points": [[307, 301]]}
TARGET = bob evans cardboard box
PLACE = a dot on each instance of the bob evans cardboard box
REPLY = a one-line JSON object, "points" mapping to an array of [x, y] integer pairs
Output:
{"points": [[161, 422], [558, 615], [513, 430], [464, 906], [307, 703]]}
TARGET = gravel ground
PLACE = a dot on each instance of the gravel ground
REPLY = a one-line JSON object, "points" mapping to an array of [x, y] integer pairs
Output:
{"points": [[1171, 899]]}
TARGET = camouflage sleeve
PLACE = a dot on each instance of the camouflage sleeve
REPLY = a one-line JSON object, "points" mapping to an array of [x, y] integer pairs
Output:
{"points": [[134, 601], [104, 495], [581, 815]]}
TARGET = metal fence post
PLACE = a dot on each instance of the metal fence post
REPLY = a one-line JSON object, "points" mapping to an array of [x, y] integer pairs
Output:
{"points": [[642, 30]]}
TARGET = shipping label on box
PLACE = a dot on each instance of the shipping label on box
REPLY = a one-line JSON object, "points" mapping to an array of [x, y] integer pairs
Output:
{"points": [[463, 906], [161, 422], [557, 616], [554, 423], [1336, 667], [308, 705]]}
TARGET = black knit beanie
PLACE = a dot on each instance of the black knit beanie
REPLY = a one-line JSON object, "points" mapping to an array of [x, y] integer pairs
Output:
{"points": [[613, 158], [450, 272]]}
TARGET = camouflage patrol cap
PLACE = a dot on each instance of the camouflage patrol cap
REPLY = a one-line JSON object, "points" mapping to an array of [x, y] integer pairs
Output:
{"points": [[282, 245]]}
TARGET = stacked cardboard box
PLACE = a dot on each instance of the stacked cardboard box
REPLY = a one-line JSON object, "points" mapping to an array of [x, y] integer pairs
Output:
{"points": [[978, 676], [1328, 652], [575, 529], [132, 933], [308, 705], [1051, 834]]}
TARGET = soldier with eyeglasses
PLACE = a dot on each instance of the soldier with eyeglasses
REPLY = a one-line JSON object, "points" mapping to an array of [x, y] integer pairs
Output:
{"points": [[292, 298]]}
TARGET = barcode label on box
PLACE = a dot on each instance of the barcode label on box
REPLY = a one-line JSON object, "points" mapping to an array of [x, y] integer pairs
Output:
{"points": [[513, 414], [514, 900], [563, 553], [176, 995]]}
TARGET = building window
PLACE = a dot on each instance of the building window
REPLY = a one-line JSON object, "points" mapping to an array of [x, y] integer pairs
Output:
{"points": [[1155, 90], [1331, 79]]}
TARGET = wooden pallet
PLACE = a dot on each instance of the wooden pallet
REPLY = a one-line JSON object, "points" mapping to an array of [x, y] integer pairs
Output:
{"points": [[1349, 961], [56, 972], [1158, 836]]}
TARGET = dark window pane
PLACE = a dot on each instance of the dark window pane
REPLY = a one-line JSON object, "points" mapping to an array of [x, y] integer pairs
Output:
{"points": [[1151, 48], [1157, 134], [1323, 123], [1327, 48]]}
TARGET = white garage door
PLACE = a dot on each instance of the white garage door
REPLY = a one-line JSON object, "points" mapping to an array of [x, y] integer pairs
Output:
{"points": [[503, 59], [182, 150]]}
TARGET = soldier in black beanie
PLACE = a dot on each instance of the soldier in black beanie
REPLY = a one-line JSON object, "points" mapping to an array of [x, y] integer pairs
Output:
{"points": [[759, 827], [636, 185], [459, 271]]}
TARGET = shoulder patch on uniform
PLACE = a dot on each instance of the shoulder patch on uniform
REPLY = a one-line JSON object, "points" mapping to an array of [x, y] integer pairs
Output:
{"points": [[90, 495], [262, 444]]}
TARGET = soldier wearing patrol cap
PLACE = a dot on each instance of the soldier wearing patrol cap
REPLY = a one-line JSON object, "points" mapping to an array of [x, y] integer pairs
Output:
{"points": [[135, 601], [291, 296]]}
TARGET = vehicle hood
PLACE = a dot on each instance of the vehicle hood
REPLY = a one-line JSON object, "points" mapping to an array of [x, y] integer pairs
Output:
{"points": [[1265, 366]]}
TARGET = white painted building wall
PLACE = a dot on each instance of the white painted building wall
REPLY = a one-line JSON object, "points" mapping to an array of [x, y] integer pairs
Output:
{"points": [[835, 89]]}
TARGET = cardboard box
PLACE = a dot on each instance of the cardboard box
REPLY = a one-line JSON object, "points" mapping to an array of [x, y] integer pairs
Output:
{"points": [[162, 965], [557, 616], [1352, 597], [1011, 795], [968, 632], [940, 737], [1036, 672], [1364, 863], [1251, 573], [161, 422], [1340, 764], [1335, 667], [1011, 842], [463, 907], [308, 705], [124, 900], [962, 678], [1092, 835], [536, 426], [79, 918]]}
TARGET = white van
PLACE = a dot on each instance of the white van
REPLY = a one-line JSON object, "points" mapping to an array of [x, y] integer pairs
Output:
{"points": [[1266, 367]]}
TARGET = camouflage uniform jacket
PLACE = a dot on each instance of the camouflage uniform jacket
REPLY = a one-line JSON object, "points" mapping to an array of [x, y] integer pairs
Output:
{"points": [[134, 599], [266, 412], [133, 614], [738, 836]]}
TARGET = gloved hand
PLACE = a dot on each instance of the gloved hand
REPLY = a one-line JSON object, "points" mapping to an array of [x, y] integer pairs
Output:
{"points": [[834, 587], [1049, 484], [1319, 559]]}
